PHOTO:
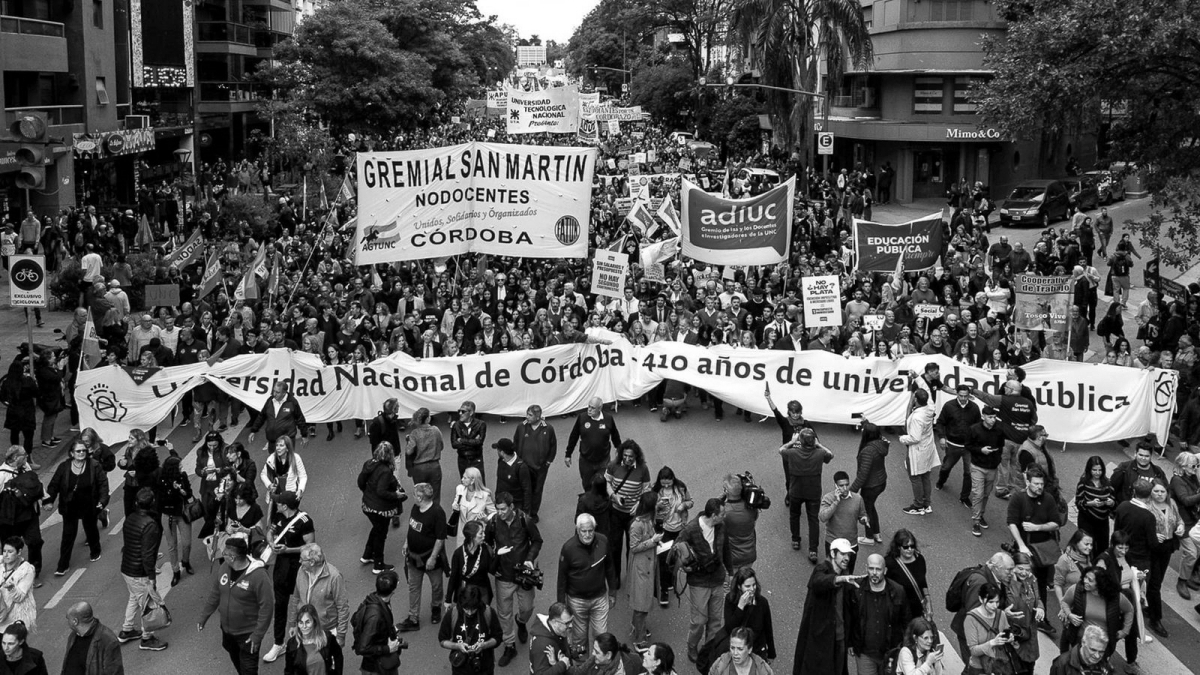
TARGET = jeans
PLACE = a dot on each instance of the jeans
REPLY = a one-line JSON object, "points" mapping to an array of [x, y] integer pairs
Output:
{"points": [[1009, 478], [15, 439], [238, 647], [48, 420], [505, 592], [428, 472], [179, 541], [416, 576], [814, 525], [869, 665], [1189, 548], [869, 495], [71, 523], [141, 589], [590, 615], [982, 482], [537, 483], [706, 615], [284, 578], [922, 486], [954, 452], [475, 460], [587, 470], [377, 539]]}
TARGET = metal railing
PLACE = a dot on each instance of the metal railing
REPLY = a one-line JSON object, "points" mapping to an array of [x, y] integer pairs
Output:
{"points": [[55, 114], [23, 26], [224, 31], [229, 91]]}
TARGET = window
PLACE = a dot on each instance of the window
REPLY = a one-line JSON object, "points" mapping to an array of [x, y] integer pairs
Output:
{"points": [[927, 95], [98, 13], [101, 91]]}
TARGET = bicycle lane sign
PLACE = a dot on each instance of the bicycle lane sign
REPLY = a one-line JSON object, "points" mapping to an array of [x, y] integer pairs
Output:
{"points": [[27, 274]]}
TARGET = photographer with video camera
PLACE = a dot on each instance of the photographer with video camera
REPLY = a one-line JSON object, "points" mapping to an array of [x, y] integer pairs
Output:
{"points": [[741, 521], [517, 542], [804, 459]]}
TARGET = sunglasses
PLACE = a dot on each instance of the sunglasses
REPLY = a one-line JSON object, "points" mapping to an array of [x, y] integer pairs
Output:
{"points": [[908, 546]]}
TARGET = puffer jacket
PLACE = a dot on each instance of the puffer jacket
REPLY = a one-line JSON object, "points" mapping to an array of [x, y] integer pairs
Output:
{"points": [[872, 465], [143, 535]]}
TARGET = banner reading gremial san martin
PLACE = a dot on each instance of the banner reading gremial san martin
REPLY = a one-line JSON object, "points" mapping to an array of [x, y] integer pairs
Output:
{"points": [[554, 110], [878, 246], [515, 200], [1077, 402], [754, 231]]}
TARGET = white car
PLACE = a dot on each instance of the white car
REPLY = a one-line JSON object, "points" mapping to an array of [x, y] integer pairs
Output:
{"points": [[743, 178], [681, 137]]}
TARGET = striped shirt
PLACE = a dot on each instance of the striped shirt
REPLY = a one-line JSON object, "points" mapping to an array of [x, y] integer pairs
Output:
{"points": [[627, 485], [1086, 492]]}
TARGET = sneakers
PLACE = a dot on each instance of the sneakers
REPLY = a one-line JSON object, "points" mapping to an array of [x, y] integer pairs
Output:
{"points": [[95, 557], [795, 544], [382, 567], [1002, 495], [128, 636], [366, 561], [927, 510], [976, 530], [436, 615], [60, 573], [153, 644], [409, 625], [913, 510], [510, 653], [866, 541], [812, 557], [273, 653], [522, 633], [983, 522]]}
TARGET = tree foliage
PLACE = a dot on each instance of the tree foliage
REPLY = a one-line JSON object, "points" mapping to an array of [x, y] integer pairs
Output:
{"points": [[666, 90], [375, 65], [1061, 60], [610, 36]]}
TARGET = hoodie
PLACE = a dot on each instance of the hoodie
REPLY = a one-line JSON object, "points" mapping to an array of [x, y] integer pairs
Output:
{"points": [[540, 637], [245, 605]]}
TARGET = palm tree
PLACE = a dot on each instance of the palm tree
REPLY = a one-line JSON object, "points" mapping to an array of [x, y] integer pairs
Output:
{"points": [[790, 37]]}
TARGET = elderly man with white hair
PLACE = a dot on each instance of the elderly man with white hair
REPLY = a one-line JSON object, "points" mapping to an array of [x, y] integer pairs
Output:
{"points": [[587, 581], [321, 585]]}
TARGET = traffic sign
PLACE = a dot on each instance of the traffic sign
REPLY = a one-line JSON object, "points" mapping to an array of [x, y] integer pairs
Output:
{"points": [[27, 274], [825, 143]]}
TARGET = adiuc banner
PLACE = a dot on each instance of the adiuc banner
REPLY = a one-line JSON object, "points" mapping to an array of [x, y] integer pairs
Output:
{"points": [[878, 247], [1076, 402], [1042, 302], [754, 231], [497, 198], [554, 110]]}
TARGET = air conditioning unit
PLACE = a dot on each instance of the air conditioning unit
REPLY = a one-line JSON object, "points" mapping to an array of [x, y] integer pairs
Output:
{"points": [[137, 121]]}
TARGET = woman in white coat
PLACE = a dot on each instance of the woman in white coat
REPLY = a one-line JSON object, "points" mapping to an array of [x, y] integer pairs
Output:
{"points": [[922, 452], [472, 500], [16, 586], [283, 472]]}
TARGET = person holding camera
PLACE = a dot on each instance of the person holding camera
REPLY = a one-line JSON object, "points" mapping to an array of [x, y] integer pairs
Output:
{"points": [[471, 631], [842, 511], [741, 521], [988, 634], [375, 638], [700, 549], [517, 542], [804, 460]]}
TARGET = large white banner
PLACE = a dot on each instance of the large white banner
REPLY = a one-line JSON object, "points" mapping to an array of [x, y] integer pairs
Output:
{"points": [[554, 110], [497, 198], [1077, 402]]}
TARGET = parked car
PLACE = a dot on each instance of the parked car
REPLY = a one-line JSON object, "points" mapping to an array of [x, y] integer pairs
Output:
{"points": [[1110, 186], [743, 179], [681, 137], [1082, 192], [1035, 202]]}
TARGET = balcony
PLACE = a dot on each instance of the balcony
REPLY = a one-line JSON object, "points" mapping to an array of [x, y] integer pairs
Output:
{"points": [[225, 97], [225, 37], [32, 45], [56, 115]]}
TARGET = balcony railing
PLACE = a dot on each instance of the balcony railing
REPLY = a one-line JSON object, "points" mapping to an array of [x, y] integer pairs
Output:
{"points": [[16, 24], [229, 91], [55, 114], [225, 31]]}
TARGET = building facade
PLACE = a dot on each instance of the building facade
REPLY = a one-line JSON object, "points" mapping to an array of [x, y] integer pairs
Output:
{"points": [[911, 109]]}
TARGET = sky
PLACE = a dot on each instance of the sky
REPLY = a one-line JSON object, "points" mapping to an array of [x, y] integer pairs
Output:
{"points": [[549, 19]]}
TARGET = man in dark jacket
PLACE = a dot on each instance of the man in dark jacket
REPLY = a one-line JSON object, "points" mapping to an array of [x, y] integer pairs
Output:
{"points": [[587, 580], [1129, 472], [92, 649], [877, 618], [517, 541], [953, 426], [242, 594], [385, 426], [20, 490], [512, 474], [537, 446], [143, 535], [549, 653], [702, 545], [281, 415], [1089, 657], [466, 437], [375, 638], [596, 433], [821, 640]]}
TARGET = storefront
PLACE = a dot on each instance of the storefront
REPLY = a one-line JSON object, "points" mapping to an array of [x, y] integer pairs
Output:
{"points": [[107, 169]]}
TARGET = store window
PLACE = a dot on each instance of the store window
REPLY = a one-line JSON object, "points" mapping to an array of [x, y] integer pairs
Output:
{"points": [[98, 13], [927, 95]]}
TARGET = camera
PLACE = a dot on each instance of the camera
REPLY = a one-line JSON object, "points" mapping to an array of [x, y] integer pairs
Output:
{"points": [[754, 496], [529, 578]]}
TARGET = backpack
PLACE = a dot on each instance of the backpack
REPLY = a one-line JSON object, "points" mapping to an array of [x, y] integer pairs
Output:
{"points": [[356, 622], [891, 662], [958, 587]]}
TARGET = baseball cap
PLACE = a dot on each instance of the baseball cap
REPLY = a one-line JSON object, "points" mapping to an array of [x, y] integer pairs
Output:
{"points": [[842, 545], [114, 284]]}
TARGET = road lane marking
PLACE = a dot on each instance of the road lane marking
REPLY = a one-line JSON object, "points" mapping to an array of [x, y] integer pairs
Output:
{"points": [[66, 588]]}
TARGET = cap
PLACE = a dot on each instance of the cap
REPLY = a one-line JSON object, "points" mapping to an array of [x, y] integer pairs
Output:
{"points": [[114, 283], [238, 545], [505, 445], [989, 410], [288, 499], [842, 545]]}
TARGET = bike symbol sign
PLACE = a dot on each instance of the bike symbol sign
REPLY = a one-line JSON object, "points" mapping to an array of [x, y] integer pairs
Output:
{"points": [[27, 276]]}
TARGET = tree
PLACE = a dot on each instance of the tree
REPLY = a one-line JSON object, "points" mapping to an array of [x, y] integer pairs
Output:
{"points": [[610, 36], [1143, 58], [790, 37], [665, 90], [701, 22]]}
